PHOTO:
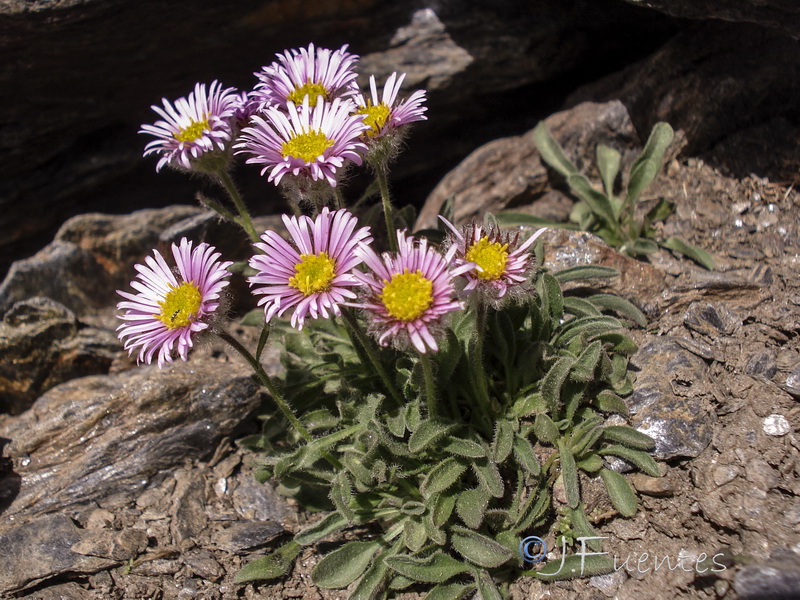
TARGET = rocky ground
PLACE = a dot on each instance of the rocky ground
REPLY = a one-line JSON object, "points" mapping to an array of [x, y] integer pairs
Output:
{"points": [[123, 482]]}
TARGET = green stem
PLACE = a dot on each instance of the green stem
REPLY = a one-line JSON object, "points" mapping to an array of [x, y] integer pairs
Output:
{"points": [[244, 220], [369, 347], [383, 184], [264, 380], [434, 411], [481, 386]]}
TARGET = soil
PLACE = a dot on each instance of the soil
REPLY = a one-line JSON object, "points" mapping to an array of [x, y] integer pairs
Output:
{"points": [[737, 501]]}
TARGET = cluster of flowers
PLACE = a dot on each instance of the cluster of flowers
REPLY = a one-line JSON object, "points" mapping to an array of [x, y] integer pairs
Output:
{"points": [[306, 117], [405, 294]]}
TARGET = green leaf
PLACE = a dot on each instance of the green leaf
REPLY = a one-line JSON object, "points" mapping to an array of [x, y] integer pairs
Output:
{"points": [[569, 474], [660, 211], [647, 165], [608, 161], [448, 356], [448, 211], [620, 344], [573, 566], [518, 219], [331, 523], [528, 405], [396, 423], [372, 584], [584, 272], [580, 307], [471, 506], [255, 318], [428, 432], [414, 535], [270, 566], [551, 152], [443, 505], [620, 306], [582, 528], [341, 494], [451, 591], [462, 447], [554, 380], [640, 247], [628, 436], [442, 476], [478, 548], [584, 367], [700, 256], [486, 587], [622, 496], [638, 458], [591, 464], [503, 440], [535, 507], [598, 202], [549, 289], [489, 477], [262, 340], [412, 507], [436, 568], [609, 402], [344, 565], [525, 456], [545, 430]]}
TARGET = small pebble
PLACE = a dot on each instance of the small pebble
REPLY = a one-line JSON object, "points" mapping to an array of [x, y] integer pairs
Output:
{"points": [[724, 474], [776, 425]]}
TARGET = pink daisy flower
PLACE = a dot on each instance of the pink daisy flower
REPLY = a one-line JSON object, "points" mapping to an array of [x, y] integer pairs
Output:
{"points": [[304, 142], [383, 115], [409, 293], [193, 127], [307, 72], [314, 274], [171, 306], [499, 262]]}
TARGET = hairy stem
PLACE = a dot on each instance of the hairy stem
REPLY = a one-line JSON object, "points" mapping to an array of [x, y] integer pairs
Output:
{"points": [[224, 179], [383, 184]]}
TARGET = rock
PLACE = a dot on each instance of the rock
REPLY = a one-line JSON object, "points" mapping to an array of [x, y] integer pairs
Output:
{"points": [[792, 384], [782, 15], [100, 436], [246, 535], [43, 344], [776, 425], [776, 579], [652, 486], [90, 258], [36, 551], [509, 170], [761, 364], [710, 319], [668, 401], [204, 565], [117, 545], [76, 149], [723, 474], [703, 82], [761, 474]]}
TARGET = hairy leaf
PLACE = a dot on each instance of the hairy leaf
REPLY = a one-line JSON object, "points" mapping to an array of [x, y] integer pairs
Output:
{"points": [[525, 456], [436, 568], [573, 566], [551, 152], [569, 474], [344, 565], [270, 566], [428, 432], [629, 436], [700, 256], [640, 459], [471, 506], [622, 496], [442, 476], [584, 272], [620, 306], [647, 165], [327, 525], [478, 548]]}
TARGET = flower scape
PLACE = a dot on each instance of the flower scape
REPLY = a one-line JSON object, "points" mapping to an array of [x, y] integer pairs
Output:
{"points": [[438, 392]]}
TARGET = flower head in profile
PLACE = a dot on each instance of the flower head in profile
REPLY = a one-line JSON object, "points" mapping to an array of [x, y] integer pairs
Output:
{"points": [[387, 118], [171, 306], [195, 130], [409, 293], [307, 73], [501, 264], [313, 274], [304, 142]]}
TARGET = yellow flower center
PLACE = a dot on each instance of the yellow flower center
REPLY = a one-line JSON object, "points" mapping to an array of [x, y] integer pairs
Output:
{"points": [[180, 306], [407, 295], [489, 256], [192, 132], [375, 116], [312, 90], [313, 273], [306, 146]]}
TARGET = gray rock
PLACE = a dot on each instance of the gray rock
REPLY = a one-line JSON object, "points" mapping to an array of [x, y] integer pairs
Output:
{"points": [[668, 400], [710, 319], [117, 545], [90, 258], [776, 579], [783, 15], [43, 344], [36, 551], [246, 535], [101, 436]]}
